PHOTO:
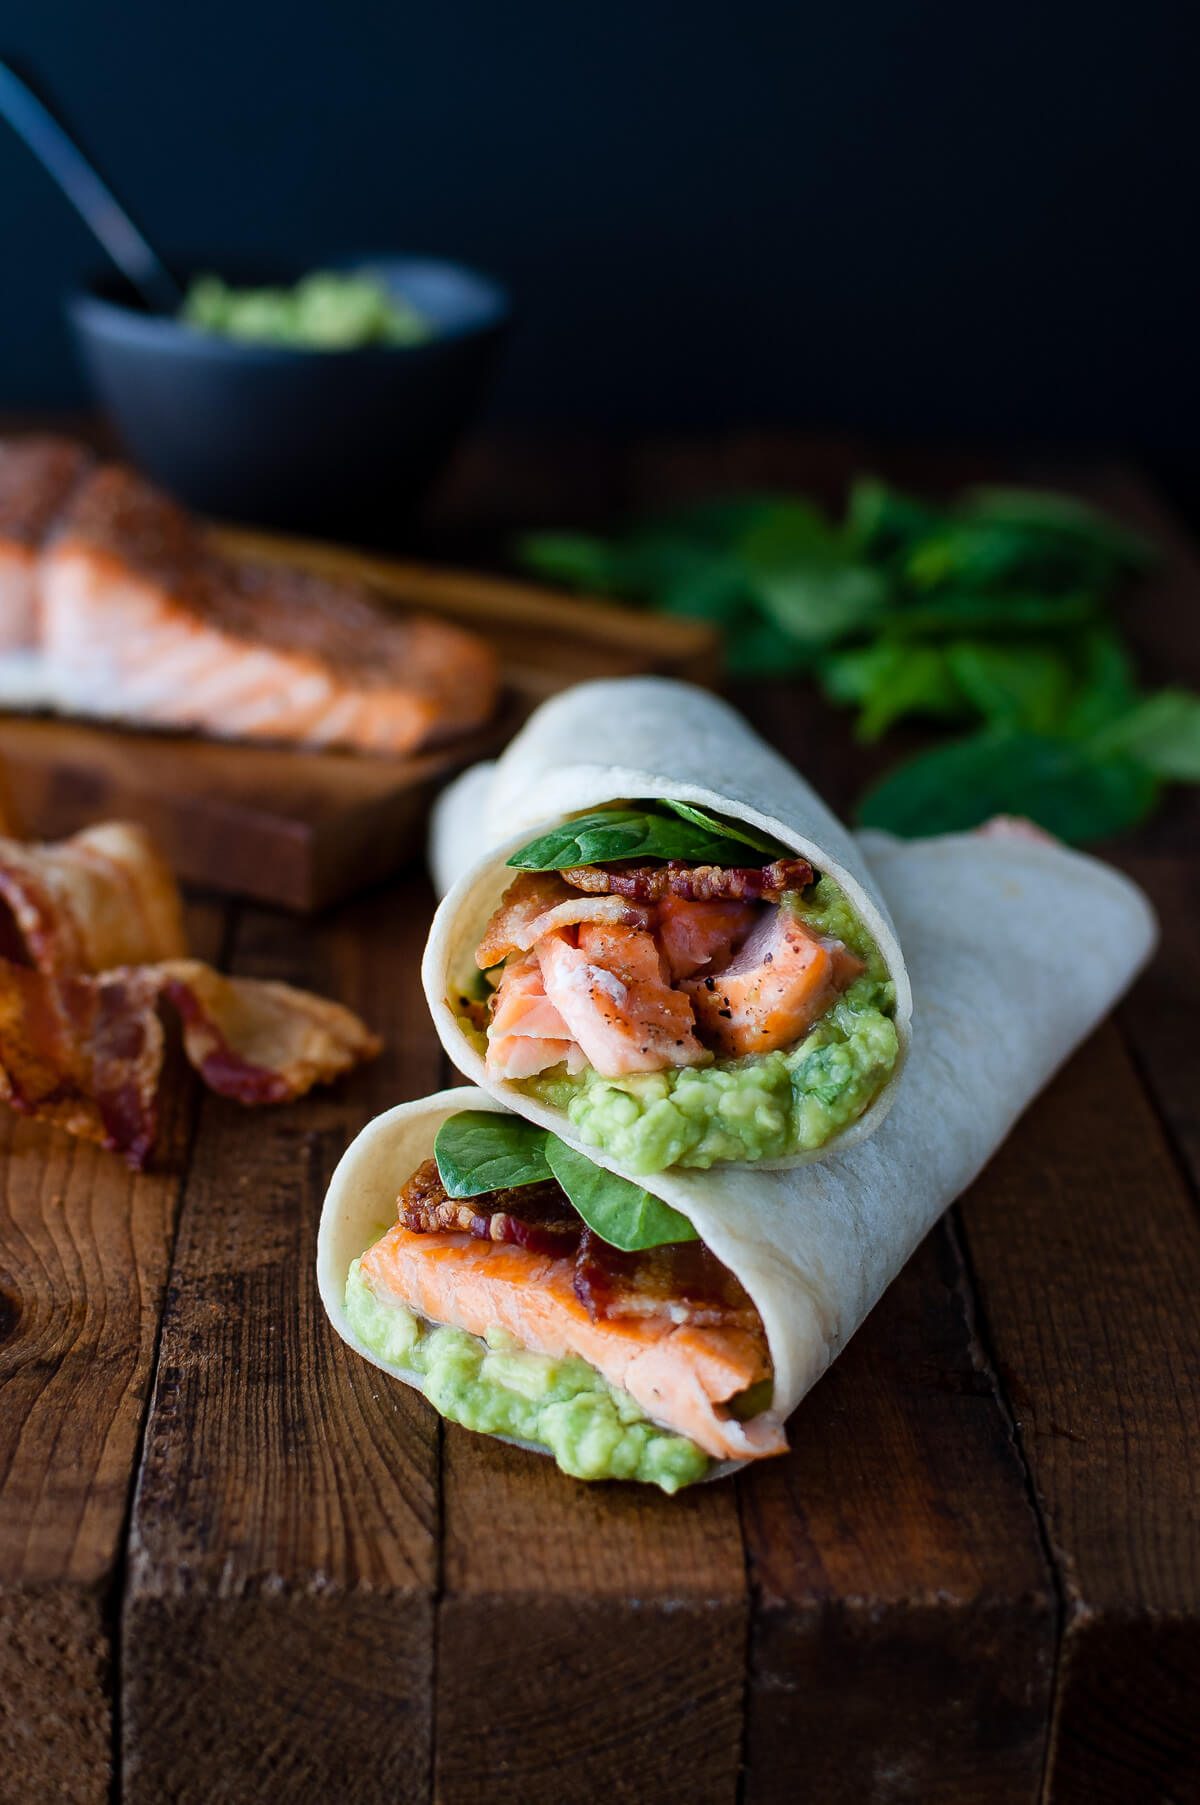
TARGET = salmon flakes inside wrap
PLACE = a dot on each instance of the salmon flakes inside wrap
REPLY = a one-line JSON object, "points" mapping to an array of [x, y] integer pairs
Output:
{"points": [[682, 962]]}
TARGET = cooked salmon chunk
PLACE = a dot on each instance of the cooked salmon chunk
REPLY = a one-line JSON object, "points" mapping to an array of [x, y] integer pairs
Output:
{"points": [[781, 981], [37, 477], [612, 991], [681, 1375], [142, 620], [526, 1034], [700, 936], [538, 903]]}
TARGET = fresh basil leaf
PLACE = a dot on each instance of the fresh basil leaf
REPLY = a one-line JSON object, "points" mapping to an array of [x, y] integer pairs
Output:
{"points": [[965, 612], [576, 559], [882, 521], [619, 1212], [1054, 781], [890, 679], [1162, 733], [608, 834], [756, 647], [994, 556], [731, 830], [1106, 688], [480, 1150], [1026, 686], [1041, 510]]}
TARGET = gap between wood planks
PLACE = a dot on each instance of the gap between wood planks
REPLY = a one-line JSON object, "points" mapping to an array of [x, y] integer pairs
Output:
{"points": [[227, 913]]}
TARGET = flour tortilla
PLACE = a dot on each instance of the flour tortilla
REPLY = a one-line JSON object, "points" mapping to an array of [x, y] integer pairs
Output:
{"points": [[677, 742], [1017, 948]]}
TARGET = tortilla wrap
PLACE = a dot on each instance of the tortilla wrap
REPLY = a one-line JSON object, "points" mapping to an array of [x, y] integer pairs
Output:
{"points": [[1017, 948], [677, 742]]}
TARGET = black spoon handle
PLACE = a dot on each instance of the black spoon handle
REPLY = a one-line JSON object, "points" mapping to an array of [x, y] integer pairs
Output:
{"points": [[33, 121]]}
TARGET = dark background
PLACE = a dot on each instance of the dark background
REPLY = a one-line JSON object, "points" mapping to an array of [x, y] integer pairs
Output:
{"points": [[920, 216]]}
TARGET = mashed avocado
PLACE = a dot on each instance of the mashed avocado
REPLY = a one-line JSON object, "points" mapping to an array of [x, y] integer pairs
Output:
{"points": [[330, 310], [498, 1387], [765, 1106]]}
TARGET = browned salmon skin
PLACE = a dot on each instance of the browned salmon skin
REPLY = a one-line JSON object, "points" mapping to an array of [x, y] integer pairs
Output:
{"points": [[37, 477], [142, 620]]}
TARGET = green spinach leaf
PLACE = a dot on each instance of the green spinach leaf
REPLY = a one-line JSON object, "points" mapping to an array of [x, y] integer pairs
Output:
{"points": [[621, 1213], [1056, 782], [480, 1150], [641, 833], [890, 679], [1162, 733], [1014, 684], [739, 831]]}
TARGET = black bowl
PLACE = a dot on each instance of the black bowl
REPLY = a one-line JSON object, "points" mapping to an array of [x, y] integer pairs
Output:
{"points": [[339, 442]]}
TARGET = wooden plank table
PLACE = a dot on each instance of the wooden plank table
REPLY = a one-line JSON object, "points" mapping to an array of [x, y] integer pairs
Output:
{"points": [[238, 1564]]}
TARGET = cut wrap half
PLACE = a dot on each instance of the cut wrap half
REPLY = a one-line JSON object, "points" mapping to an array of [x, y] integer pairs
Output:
{"points": [[1017, 948], [671, 954]]}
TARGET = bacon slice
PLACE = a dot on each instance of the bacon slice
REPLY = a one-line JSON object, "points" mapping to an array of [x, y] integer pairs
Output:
{"points": [[105, 897], [680, 1282], [260, 1041], [86, 1052], [695, 883], [538, 1217]]}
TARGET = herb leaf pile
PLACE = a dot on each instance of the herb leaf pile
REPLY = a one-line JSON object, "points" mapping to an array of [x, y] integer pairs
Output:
{"points": [[480, 1150], [989, 616]]}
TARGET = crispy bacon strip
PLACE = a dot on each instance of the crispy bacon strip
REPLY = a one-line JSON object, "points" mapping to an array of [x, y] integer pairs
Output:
{"points": [[693, 883], [86, 1052], [259, 1041], [684, 1283], [537, 1217], [100, 899]]}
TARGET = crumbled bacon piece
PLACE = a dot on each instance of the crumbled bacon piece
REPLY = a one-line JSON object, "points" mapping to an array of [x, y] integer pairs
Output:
{"points": [[537, 1217], [682, 1281], [693, 883]]}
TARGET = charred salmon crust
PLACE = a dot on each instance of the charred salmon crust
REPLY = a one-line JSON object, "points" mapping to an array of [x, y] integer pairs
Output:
{"points": [[144, 619]]}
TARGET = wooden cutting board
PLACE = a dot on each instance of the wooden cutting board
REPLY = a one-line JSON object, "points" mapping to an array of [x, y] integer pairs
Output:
{"points": [[306, 829]]}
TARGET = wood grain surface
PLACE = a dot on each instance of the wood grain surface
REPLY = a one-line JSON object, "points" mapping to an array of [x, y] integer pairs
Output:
{"points": [[84, 1251], [975, 1577]]}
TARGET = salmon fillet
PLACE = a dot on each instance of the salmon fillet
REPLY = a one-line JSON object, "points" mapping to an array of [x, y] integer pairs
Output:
{"points": [[681, 1375], [37, 476], [143, 621], [781, 981]]}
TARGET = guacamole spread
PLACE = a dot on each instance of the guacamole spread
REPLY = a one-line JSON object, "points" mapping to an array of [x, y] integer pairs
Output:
{"points": [[330, 310], [498, 1387], [763, 1106]]}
